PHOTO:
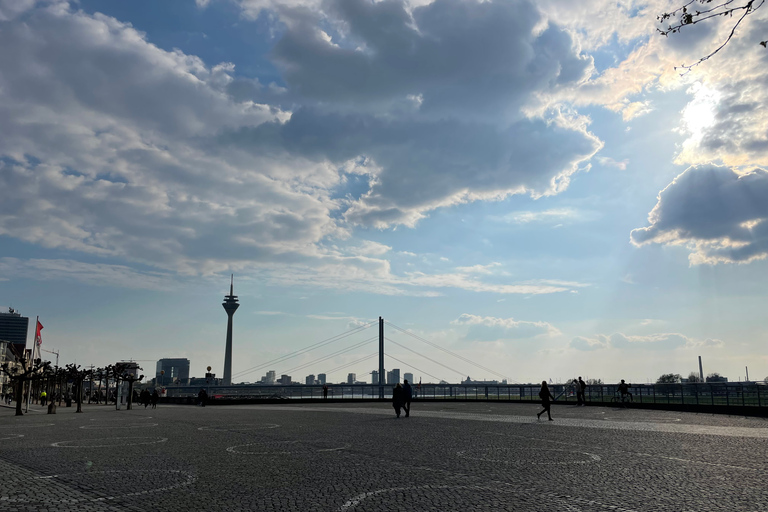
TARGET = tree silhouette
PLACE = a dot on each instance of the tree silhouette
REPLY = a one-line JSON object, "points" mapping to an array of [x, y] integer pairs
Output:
{"points": [[77, 375], [694, 377], [689, 14], [124, 371], [29, 370], [669, 378]]}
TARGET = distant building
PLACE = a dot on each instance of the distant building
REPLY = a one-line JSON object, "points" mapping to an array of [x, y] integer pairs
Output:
{"points": [[374, 377], [271, 376], [176, 371], [351, 378], [470, 381], [408, 377], [393, 377], [13, 329], [310, 380], [321, 379], [6, 356], [285, 380]]}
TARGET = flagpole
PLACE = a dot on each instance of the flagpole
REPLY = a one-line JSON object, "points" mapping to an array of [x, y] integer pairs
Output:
{"points": [[32, 361]]}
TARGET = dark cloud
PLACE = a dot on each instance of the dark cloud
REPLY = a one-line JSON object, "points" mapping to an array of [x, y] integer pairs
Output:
{"points": [[720, 213]]}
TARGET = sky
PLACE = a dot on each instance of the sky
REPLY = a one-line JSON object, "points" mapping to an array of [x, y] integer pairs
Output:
{"points": [[529, 187]]}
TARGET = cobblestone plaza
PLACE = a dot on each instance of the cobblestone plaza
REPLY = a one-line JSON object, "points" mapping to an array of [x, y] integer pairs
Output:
{"points": [[357, 457]]}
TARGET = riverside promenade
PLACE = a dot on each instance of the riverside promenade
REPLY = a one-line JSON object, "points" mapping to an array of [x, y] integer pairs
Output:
{"points": [[358, 457]]}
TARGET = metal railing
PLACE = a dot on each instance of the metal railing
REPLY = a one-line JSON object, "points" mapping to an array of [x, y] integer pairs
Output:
{"points": [[714, 394]]}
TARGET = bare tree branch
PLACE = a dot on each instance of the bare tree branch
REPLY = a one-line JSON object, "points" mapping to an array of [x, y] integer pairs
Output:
{"points": [[685, 16]]}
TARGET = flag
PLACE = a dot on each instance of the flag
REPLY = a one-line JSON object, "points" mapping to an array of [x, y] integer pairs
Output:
{"points": [[38, 335]]}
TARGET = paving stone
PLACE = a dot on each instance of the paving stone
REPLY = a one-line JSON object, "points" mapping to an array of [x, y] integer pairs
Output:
{"points": [[357, 457]]}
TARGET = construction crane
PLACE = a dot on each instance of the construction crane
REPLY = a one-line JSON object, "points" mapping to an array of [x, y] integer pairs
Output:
{"points": [[52, 352]]}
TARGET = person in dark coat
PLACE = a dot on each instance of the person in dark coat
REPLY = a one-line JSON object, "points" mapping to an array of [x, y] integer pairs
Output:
{"points": [[580, 394], [202, 396], [155, 399], [145, 397], [398, 399], [407, 395], [545, 396]]}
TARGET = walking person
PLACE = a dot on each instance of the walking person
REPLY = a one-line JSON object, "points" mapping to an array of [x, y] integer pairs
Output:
{"points": [[545, 396], [580, 396], [407, 396], [155, 398], [43, 398], [398, 399], [145, 397], [325, 391]]}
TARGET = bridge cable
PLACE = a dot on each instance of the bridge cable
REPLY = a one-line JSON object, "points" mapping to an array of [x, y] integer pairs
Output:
{"points": [[329, 356], [425, 357], [411, 366], [352, 363], [307, 349], [449, 352]]}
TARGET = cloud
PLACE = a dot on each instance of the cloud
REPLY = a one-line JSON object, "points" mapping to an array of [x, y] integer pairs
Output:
{"points": [[610, 162], [369, 248], [661, 341], [94, 274], [716, 212], [124, 150], [114, 153], [588, 344], [488, 328], [425, 94], [479, 269], [544, 216]]}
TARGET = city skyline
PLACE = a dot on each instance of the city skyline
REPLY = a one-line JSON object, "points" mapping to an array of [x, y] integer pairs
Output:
{"points": [[532, 186]]}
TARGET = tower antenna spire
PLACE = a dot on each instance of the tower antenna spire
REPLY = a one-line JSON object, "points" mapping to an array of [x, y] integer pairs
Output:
{"points": [[232, 284]]}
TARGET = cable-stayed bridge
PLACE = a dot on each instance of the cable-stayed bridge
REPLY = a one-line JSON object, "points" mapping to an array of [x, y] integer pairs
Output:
{"points": [[359, 339]]}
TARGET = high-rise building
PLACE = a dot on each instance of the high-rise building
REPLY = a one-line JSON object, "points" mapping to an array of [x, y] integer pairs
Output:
{"points": [[408, 377], [393, 377], [351, 378], [230, 306], [13, 329], [271, 376], [310, 380], [285, 380], [175, 371], [321, 379], [375, 377]]}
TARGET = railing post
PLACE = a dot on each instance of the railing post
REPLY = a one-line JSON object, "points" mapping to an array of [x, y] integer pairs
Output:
{"points": [[711, 395], [654, 393], [742, 395]]}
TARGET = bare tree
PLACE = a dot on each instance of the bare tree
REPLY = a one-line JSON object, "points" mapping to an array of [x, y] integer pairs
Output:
{"points": [[689, 14], [29, 370], [694, 377]]}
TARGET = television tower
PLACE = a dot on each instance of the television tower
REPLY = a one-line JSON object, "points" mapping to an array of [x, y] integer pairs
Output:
{"points": [[230, 306]]}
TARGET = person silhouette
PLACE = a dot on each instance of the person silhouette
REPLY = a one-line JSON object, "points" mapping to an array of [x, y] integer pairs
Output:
{"points": [[580, 393], [398, 398], [407, 396], [545, 395]]}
